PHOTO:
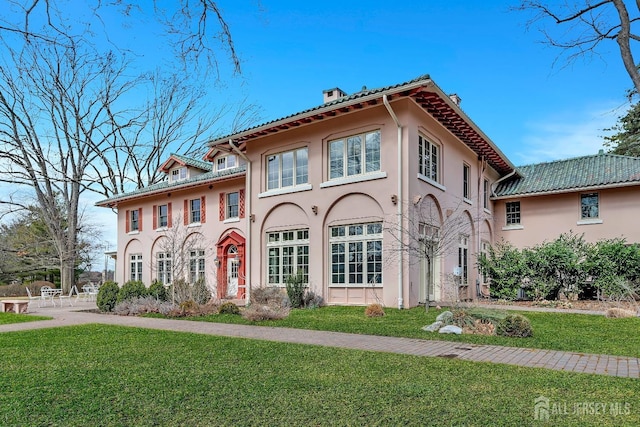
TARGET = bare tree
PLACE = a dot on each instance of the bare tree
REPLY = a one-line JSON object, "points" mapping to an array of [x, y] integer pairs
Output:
{"points": [[70, 120], [585, 25]]}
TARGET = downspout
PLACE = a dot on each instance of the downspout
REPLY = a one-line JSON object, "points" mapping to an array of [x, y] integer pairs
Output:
{"points": [[400, 219], [247, 201]]}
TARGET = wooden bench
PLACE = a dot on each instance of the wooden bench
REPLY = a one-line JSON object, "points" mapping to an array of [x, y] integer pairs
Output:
{"points": [[15, 305]]}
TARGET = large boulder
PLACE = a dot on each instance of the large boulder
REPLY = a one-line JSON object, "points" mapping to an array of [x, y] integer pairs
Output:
{"points": [[451, 329], [433, 327]]}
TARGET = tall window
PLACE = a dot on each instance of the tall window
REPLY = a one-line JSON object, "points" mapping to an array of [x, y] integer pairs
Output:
{"points": [[196, 265], [135, 220], [513, 213], [466, 174], [194, 210], [287, 169], [135, 267], [163, 267], [232, 205], [356, 254], [226, 162], [288, 253], [355, 155], [463, 258], [163, 216], [428, 159], [589, 205], [485, 193]]}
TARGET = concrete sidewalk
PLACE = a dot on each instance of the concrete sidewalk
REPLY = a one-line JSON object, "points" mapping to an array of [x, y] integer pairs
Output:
{"points": [[618, 366]]}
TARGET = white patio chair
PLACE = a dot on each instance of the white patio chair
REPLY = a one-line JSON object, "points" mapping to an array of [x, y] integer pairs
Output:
{"points": [[32, 298], [68, 297], [46, 295]]}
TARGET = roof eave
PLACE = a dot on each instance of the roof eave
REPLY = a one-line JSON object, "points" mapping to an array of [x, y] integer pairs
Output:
{"points": [[568, 190]]}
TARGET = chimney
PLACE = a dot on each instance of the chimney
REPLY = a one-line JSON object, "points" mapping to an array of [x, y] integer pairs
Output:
{"points": [[455, 98], [333, 94]]}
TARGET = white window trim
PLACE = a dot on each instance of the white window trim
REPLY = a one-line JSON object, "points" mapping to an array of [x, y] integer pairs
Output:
{"points": [[295, 170], [432, 182], [226, 208], [133, 232], [285, 190], [354, 178], [358, 238], [226, 162], [194, 224], [363, 158], [589, 221], [468, 201], [230, 220], [513, 227], [162, 229], [288, 243]]}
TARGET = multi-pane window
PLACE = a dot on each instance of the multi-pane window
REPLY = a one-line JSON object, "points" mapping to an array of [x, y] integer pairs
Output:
{"points": [[287, 169], [163, 267], [194, 210], [356, 254], [589, 205], [233, 206], [163, 216], [134, 222], [196, 265], [179, 174], [513, 213], [226, 162], [463, 258], [288, 254], [355, 155], [135, 267], [466, 174], [428, 159], [485, 193]]}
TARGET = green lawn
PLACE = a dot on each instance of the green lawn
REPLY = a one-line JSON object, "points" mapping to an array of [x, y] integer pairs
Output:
{"points": [[559, 331], [6, 318], [115, 376]]}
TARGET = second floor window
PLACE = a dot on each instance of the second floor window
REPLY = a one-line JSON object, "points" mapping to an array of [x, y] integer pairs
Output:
{"points": [[287, 169], [135, 220], [163, 216], [428, 159], [233, 205], [355, 155], [589, 206], [466, 174], [513, 213], [485, 192], [194, 210]]}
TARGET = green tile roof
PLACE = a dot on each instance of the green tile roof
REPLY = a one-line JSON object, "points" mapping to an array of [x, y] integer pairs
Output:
{"points": [[600, 170], [199, 164], [176, 185]]}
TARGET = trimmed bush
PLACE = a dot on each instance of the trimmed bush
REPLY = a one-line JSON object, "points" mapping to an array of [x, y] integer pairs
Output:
{"points": [[269, 295], [107, 296], [132, 289], [515, 325], [229, 308], [158, 291], [374, 310]]}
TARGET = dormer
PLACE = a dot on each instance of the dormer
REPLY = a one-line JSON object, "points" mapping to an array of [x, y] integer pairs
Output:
{"points": [[181, 168]]}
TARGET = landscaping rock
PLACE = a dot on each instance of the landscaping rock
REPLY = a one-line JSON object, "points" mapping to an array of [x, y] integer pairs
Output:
{"points": [[445, 317], [433, 327], [451, 329]]}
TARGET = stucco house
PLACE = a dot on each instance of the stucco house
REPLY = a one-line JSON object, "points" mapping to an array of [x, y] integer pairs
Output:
{"points": [[385, 195]]}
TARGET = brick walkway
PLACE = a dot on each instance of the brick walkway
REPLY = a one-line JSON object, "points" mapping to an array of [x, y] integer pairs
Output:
{"points": [[601, 364]]}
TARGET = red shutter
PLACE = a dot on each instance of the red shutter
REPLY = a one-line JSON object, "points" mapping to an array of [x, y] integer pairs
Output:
{"points": [[221, 206], [203, 209], [169, 220], [186, 212], [155, 217], [126, 221], [241, 202], [140, 219]]}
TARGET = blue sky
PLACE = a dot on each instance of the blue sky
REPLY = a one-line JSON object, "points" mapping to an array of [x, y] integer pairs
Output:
{"points": [[532, 109]]}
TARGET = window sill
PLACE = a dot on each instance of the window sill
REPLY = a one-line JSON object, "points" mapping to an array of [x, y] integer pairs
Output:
{"points": [[159, 229], [432, 182], [133, 233], [285, 190], [231, 220], [468, 201], [513, 227], [194, 224], [353, 179], [589, 221], [487, 211]]}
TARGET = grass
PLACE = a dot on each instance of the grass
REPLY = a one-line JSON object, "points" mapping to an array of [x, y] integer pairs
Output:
{"points": [[557, 331], [116, 376], [7, 318]]}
